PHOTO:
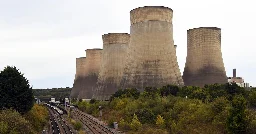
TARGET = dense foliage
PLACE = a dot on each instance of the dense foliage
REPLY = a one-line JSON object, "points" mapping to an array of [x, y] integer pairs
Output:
{"points": [[12, 122], [15, 91], [18, 114], [38, 117], [214, 109]]}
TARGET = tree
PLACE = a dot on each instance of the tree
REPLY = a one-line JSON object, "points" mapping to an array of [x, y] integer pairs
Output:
{"points": [[128, 92], [146, 116], [15, 91], [169, 90], [252, 98], [237, 121]]}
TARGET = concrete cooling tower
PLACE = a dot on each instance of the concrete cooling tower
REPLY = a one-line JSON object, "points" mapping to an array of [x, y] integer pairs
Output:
{"points": [[151, 58], [93, 63], [204, 63], [80, 73], [111, 72]]}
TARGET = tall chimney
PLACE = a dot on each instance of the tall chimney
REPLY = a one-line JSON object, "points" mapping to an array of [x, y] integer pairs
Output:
{"points": [[234, 72]]}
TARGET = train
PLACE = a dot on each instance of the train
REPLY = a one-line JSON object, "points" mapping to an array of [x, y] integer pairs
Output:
{"points": [[58, 110]]}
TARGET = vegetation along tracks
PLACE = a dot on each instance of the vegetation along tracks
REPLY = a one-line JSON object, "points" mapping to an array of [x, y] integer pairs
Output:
{"points": [[94, 126]]}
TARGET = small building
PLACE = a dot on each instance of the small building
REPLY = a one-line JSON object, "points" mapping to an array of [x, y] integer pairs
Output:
{"points": [[238, 80], [52, 100]]}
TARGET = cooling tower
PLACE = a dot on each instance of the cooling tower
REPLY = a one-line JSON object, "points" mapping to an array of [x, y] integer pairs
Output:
{"points": [[204, 63], [78, 82], [151, 58], [93, 63], [111, 72]]}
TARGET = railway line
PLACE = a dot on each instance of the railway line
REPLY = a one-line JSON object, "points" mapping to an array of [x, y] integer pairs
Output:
{"points": [[93, 125], [58, 124]]}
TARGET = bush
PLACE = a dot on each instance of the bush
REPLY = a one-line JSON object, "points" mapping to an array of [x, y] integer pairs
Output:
{"points": [[124, 125], [129, 92], [160, 121], [135, 124], [38, 116], [146, 116], [12, 122], [77, 125]]}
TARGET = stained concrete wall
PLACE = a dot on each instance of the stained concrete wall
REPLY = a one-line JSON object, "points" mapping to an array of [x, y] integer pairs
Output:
{"points": [[80, 73], [204, 63], [151, 58], [114, 53], [93, 63]]}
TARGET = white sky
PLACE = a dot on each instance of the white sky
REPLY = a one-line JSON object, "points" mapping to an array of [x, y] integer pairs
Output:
{"points": [[44, 37]]}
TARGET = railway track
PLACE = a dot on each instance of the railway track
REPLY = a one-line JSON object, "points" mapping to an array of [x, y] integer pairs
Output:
{"points": [[55, 127], [93, 125], [59, 125]]}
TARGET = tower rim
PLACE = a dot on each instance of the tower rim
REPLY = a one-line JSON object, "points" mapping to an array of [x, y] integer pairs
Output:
{"points": [[149, 13], [212, 28], [156, 7]]}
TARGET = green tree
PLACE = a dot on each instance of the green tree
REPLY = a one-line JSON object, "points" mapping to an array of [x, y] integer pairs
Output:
{"points": [[146, 116], [169, 90], [237, 120], [252, 98], [15, 91], [128, 92]]}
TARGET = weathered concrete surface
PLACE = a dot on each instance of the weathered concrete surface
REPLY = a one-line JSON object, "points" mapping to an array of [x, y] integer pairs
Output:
{"points": [[80, 73], [204, 63], [93, 63], [151, 58], [111, 72]]}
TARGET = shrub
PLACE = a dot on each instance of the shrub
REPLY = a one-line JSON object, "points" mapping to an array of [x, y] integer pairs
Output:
{"points": [[135, 124], [12, 122], [77, 125], [124, 125], [160, 121], [146, 116], [38, 117]]}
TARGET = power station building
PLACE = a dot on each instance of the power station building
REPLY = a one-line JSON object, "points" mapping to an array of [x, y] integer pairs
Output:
{"points": [[147, 57], [238, 80], [151, 57], [113, 59], [204, 63]]}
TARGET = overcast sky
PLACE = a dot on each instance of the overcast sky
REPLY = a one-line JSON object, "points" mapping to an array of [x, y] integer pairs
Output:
{"points": [[44, 37]]}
